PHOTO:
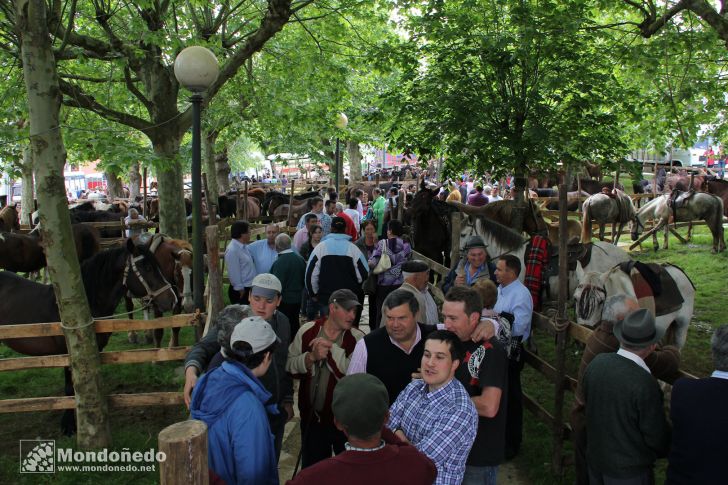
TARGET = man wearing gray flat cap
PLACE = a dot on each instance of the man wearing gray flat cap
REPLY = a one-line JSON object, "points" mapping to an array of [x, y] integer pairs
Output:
{"points": [[625, 415]]}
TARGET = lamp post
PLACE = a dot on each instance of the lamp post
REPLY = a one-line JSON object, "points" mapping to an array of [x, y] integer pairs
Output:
{"points": [[341, 122], [196, 68]]}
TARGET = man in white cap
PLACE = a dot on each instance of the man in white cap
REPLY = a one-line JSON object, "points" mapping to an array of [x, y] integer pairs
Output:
{"points": [[265, 296], [232, 402], [625, 416]]}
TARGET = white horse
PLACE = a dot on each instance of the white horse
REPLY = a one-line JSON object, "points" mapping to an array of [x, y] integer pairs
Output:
{"points": [[700, 205], [594, 288], [503, 240]]}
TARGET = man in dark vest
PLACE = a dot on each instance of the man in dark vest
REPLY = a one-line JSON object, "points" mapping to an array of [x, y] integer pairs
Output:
{"points": [[393, 352]]}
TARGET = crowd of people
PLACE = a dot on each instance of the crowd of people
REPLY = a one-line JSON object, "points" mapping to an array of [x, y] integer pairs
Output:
{"points": [[430, 390]]}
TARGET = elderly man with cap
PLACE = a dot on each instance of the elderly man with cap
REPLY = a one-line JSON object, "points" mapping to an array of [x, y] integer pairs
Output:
{"points": [[373, 455], [319, 356], [475, 265], [664, 364], [625, 417], [336, 263], [205, 354], [232, 402], [417, 281]]}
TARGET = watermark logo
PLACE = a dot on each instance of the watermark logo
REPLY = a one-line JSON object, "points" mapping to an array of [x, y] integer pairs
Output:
{"points": [[37, 456], [42, 456]]}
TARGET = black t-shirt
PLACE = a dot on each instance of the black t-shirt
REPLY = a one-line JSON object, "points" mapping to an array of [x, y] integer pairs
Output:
{"points": [[486, 365]]}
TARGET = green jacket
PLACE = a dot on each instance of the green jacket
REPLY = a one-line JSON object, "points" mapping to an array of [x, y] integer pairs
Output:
{"points": [[625, 417], [290, 268], [378, 209]]}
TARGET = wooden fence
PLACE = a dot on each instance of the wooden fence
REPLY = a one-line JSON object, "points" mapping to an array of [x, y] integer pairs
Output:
{"points": [[110, 357]]}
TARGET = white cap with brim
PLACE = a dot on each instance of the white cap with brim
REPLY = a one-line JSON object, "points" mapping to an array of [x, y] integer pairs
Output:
{"points": [[256, 332], [266, 285]]}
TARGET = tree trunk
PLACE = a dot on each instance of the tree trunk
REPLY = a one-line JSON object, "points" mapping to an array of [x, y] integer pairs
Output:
{"points": [[222, 172], [49, 156], [114, 188], [172, 215], [135, 181], [354, 161], [28, 197], [208, 165]]}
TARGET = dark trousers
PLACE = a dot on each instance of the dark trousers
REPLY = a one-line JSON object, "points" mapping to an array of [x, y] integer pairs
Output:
{"points": [[578, 426], [514, 415], [372, 312], [382, 293], [360, 308], [645, 478], [292, 311], [235, 297], [320, 440]]}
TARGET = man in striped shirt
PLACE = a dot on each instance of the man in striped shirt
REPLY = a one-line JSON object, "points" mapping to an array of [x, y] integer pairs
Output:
{"points": [[435, 414]]}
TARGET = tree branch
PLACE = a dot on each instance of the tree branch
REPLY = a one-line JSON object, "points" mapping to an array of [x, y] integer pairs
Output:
{"points": [[76, 98], [133, 90]]}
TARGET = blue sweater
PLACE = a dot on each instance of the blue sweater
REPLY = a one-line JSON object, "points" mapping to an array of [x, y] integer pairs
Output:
{"points": [[231, 400]]}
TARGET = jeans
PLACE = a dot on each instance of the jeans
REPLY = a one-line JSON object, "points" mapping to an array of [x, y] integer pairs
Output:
{"points": [[480, 475]]}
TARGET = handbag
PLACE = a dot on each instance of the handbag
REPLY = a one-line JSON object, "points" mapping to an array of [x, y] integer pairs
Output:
{"points": [[384, 262]]}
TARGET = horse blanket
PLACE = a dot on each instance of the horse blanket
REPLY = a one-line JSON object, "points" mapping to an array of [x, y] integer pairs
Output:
{"points": [[537, 256], [655, 289]]}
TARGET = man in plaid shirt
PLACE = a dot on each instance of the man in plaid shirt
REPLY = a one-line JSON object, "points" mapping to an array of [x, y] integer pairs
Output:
{"points": [[435, 414]]}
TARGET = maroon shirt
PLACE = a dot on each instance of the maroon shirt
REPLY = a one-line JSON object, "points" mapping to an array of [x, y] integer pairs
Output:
{"points": [[395, 464]]}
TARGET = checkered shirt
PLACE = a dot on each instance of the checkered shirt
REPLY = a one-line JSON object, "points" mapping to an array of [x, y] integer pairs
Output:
{"points": [[441, 424]]}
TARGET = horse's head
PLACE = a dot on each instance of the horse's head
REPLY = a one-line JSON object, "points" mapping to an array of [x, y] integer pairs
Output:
{"points": [[534, 223], [590, 295], [144, 279]]}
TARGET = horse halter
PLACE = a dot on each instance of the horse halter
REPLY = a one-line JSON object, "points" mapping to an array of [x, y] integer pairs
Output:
{"points": [[131, 264]]}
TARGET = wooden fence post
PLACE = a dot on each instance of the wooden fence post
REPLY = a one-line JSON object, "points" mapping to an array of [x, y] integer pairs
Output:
{"points": [[455, 219], [238, 205], [144, 205], [214, 274], [400, 205], [290, 205], [562, 325], [185, 445], [245, 201], [211, 204]]}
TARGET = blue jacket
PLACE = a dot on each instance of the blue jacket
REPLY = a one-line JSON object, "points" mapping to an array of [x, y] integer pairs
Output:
{"points": [[231, 401]]}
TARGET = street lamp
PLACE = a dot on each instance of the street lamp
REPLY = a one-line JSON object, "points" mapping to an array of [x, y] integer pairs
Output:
{"points": [[341, 122], [196, 68]]}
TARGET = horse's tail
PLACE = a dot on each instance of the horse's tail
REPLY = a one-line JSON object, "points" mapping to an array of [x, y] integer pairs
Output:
{"points": [[586, 228]]}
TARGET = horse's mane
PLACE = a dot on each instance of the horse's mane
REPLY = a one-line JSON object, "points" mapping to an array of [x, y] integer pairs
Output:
{"points": [[100, 273], [506, 237]]}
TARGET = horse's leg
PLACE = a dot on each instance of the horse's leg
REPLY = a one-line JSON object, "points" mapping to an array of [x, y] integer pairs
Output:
{"points": [[132, 335], [68, 420], [615, 236], [667, 234], [601, 231], [158, 332], [690, 231], [148, 334]]}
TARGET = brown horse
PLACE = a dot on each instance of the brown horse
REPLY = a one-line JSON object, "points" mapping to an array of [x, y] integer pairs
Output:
{"points": [[9, 219], [431, 234], [681, 181], [719, 188], [21, 252], [24, 252], [281, 212], [106, 278], [573, 231], [174, 257], [502, 212]]}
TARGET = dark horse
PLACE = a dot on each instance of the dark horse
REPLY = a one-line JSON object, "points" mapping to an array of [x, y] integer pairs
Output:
{"points": [[430, 218], [107, 276], [720, 188], [9, 219]]}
